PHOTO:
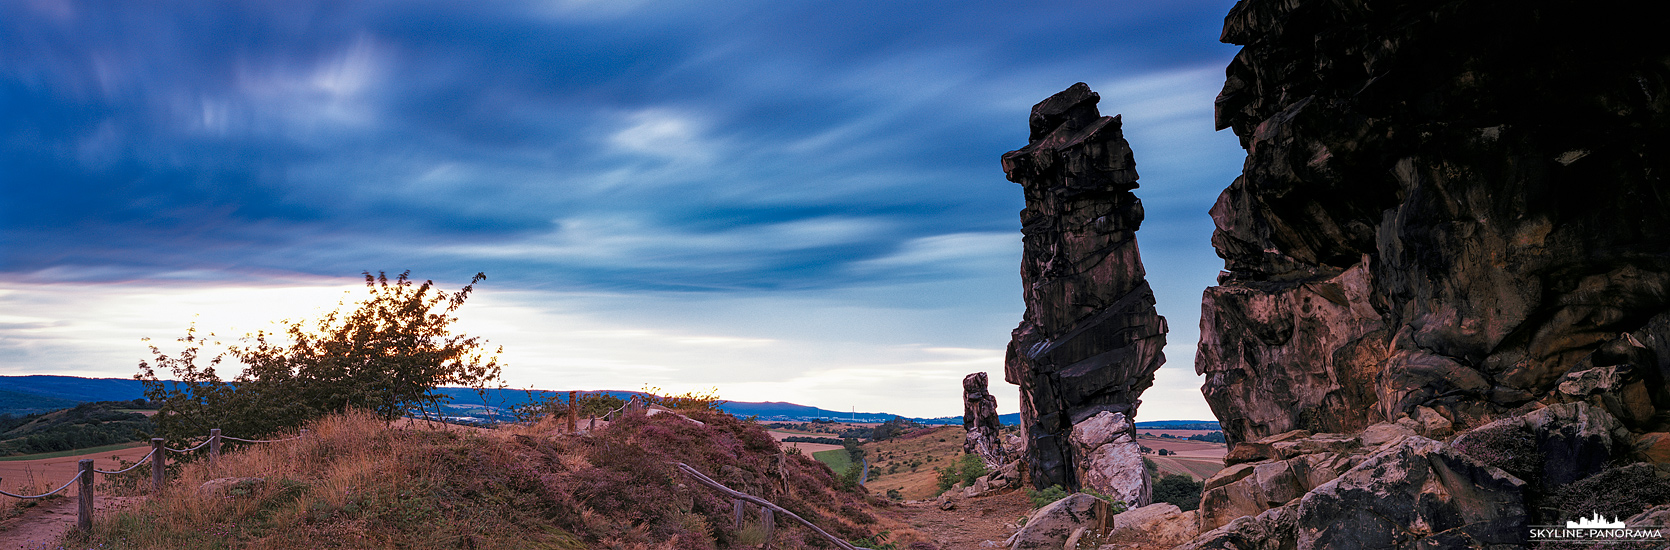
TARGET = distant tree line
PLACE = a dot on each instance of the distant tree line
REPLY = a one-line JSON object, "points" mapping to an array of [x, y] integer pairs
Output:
{"points": [[819, 440], [85, 425]]}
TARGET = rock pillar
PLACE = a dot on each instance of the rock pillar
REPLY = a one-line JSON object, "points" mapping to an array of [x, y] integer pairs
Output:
{"points": [[1090, 340]]}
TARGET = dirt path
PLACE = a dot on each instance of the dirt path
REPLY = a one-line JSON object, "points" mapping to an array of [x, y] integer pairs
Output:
{"points": [[41, 526], [984, 522]]}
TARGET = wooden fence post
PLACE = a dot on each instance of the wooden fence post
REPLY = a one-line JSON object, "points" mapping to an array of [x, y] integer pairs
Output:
{"points": [[84, 521], [159, 455], [573, 411], [214, 447], [736, 512], [767, 524]]}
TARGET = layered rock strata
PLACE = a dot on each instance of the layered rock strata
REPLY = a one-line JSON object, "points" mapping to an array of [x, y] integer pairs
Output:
{"points": [[1445, 310], [1090, 340], [983, 437]]}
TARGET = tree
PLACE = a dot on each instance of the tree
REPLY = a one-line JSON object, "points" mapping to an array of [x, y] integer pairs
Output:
{"points": [[386, 355]]}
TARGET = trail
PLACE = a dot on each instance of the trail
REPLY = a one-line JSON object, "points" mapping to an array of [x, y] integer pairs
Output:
{"points": [[41, 526]]}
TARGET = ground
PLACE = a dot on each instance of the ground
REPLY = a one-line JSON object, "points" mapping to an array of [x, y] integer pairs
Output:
{"points": [[972, 524]]}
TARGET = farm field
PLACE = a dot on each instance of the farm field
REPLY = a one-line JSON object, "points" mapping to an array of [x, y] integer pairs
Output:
{"points": [[41, 474]]}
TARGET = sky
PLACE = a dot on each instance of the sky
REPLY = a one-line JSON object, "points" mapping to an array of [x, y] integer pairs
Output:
{"points": [[790, 201]]}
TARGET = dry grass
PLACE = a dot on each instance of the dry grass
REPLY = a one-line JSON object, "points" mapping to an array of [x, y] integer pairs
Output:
{"points": [[357, 483], [906, 464]]}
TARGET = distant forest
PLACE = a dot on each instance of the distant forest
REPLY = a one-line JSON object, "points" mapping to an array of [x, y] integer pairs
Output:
{"points": [[79, 427]]}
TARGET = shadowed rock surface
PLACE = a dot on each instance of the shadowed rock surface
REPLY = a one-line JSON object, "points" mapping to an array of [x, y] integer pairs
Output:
{"points": [[1090, 339], [1447, 272]]}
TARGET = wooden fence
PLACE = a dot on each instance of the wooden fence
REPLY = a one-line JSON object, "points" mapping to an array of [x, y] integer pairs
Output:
{"points": [[159, 465]]}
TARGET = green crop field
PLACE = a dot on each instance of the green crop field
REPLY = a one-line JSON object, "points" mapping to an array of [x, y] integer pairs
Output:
{"points": [[837, 459], [74, 452]]}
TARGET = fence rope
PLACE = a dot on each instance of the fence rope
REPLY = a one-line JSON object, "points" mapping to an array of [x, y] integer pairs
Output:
{"points": [[135, 465], [66, 485], [227, 437], [183, 451], [704, 480]]}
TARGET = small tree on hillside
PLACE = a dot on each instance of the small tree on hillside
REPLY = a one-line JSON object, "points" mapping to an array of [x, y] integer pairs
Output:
{"points": [[386, 355]]}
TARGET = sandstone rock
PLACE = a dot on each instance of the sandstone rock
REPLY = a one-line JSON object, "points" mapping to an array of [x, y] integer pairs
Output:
{"points": [[983, 438], [1050, 526], [1405, 236], [1090, 339], [1383, 433], [230, 486], [1153, 525], [1653, 447], [1418, 493], [1250, 489], [1116, 470], [1270, 530]]}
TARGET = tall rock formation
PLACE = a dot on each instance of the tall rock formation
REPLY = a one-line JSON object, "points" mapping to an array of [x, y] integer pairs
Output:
{"points": [[1090, 340], [983, 437], [1452, 216]]}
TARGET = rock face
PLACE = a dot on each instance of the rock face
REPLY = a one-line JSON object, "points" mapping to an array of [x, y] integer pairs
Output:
{"points": [[1050, 526], [1452, 205], [983, 437], [1445, 310], [1090, 340]]}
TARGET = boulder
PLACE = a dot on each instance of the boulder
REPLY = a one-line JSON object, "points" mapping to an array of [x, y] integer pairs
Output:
{"points": [[1418, 493], [1050, 526], [1090, 340], [1159, 524], [1109, 460]]}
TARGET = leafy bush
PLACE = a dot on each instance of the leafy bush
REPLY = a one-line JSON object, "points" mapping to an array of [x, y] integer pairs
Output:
{"points": [[553, 405], [386, 355], [1040, 499], [1180, 490], [964, 470], [1115, 504]]}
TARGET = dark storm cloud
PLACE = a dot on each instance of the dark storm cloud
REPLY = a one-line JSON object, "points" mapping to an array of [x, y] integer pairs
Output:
{"points": [[715, 146]]}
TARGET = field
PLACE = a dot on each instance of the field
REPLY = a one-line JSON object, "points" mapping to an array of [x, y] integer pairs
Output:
{"points": [[907, 464], [33, 473], [1196, 459]]}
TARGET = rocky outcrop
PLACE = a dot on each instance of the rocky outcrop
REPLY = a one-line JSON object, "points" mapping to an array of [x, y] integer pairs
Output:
{"points": [[1451, 225], [984, 435], [1424, 220], [1090, 340]]}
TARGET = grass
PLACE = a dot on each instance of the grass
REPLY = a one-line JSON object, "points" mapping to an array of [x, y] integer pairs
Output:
{"points": [[906, 464], [74, 452], [837, 459], [358, 483]]}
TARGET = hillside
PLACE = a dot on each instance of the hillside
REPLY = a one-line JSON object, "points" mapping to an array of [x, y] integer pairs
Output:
{"points": [[355, 482]]}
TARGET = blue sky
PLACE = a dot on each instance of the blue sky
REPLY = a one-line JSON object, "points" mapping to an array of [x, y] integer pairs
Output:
{"points": [[796, 201]]}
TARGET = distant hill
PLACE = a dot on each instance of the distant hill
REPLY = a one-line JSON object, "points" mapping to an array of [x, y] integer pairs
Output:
{"points": [[40, 393]]}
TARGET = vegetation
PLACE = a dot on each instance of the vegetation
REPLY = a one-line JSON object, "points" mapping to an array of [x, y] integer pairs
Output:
{"points": [[895, 427], [1180, 490], [1213, 437], [818, 440], [356, 482], [386, 355], [553, 405], [1040, 499], [964, 470], [85, 425]]}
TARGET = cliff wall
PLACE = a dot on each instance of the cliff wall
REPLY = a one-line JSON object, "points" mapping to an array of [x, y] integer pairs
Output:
{"points": [[1445, 309]]}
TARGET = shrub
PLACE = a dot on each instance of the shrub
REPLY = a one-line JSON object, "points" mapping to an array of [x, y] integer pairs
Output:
{"points": [[1618, 492], [387, 355], [1180, 490], [1505, 446], [1040, 499], [964, 470]]}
